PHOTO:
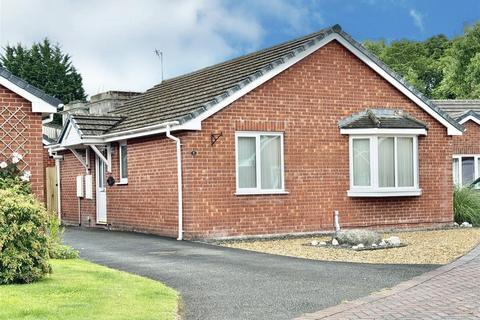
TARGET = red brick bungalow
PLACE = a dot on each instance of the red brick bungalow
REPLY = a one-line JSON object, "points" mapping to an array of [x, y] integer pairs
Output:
{"points": [[23, 107], [268, 143], [466, 148]]}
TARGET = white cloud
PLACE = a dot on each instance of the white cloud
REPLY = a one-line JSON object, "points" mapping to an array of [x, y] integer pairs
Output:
{"points": [[417, 19], [112, 42]]}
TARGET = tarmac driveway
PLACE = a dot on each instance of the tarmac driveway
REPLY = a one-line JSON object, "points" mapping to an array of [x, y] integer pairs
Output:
{"points": [[224, 283]]}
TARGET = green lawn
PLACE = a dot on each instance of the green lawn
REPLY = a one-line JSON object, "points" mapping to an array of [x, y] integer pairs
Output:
{"points": [[81, 290]]}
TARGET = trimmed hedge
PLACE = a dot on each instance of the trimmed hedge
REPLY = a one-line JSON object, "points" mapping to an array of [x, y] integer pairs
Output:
{"points": [[24, 237]]}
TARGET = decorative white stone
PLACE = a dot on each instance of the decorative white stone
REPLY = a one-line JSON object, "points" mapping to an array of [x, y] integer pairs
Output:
{"points": [[466, 225], [322, 243], [456, 224], [314, 243], [334, 242], [360, 246], [382, 243], [393, 241], [374, 245], [355, 247]]}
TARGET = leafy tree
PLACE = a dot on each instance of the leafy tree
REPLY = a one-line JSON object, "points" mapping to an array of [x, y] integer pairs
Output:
{"points": [[45, 66], [439, 67], [461, 67], [417, 62]]}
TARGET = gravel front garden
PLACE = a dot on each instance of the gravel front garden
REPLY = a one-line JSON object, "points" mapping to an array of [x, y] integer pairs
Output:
{"points": [[422, 247]]}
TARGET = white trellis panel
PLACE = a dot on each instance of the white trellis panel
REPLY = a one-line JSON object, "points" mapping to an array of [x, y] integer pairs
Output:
{"points": [[13, 134]]}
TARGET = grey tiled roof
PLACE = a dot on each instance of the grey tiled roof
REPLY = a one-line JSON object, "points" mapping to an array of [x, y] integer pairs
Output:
{"points": [[456, 108], [94, 125], [381, 118], [29, 88], [91, 124], [468, 113], [185, 97]]}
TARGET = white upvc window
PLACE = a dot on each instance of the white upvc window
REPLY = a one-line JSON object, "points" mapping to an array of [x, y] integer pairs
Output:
{"points": [[383, 166], [465, 169], [123, 158], [259, 162]]}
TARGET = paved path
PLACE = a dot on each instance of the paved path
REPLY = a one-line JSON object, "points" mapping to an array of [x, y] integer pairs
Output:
{"points": [[449, 292], [224, 283]]}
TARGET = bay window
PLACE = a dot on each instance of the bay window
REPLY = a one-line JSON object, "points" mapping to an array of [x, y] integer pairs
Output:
{"points": [[259, 162], [383, 165]]}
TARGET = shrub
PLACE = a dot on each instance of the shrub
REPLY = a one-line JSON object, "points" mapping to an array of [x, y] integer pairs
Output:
{"points": [[60, 251], [466, 205], [356, 236], [16, 185], [24, 238], [57, 249]]}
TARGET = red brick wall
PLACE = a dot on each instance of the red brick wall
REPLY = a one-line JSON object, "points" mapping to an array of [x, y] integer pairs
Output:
{"points": [[148, 203], [70, 168], [468, 143], [305, 102], [25, 129]]}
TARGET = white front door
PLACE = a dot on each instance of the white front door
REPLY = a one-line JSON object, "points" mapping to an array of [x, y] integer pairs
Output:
{"points": [[101, 191]]}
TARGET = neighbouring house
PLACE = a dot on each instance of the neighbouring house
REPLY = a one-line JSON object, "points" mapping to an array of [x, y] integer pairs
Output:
{"points": [[466, 148], [272, 142], [23, 108]]}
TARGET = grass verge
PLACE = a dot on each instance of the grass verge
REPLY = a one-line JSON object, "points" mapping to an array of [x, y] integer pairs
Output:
{"points": [[78, 289], [423, 247]]}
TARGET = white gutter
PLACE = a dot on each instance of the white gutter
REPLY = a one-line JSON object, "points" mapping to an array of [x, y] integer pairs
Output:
{"points": [[149, 130], [179, 180]]}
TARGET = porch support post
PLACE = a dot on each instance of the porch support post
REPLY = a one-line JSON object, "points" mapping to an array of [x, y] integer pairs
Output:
{"points": [[77, 155], [108, 160]]}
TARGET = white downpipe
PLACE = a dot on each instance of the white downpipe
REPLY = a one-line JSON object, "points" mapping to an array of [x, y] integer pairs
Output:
{"points": [[179, 182]]}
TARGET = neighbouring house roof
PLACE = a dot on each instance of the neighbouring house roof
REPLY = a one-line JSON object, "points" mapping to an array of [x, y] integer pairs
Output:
{"points": [[20, 86], [184, 101], [469, 115], [381, 118], [458, 108]]}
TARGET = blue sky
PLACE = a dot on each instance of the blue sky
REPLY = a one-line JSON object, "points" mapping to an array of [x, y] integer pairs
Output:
{"points": [[113, 45], [379, 19]]}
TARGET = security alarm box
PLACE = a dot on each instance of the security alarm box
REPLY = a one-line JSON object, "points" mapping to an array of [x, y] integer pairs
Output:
{"points": [[80, 187], [88, 186]]}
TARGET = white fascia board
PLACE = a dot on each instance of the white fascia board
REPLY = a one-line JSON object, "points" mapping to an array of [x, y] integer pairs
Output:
{"points": [[379, 131], [451, 130], [38, 105], [470, 118], [152, 130]]}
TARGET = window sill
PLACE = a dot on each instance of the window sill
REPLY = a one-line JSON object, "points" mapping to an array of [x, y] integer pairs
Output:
{"points": [[121, 183], [380, 193], [259, 193]]}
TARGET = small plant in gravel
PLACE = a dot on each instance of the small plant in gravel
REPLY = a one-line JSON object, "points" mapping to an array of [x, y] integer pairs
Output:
{"points": [[466, 205], [355, 237]]}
